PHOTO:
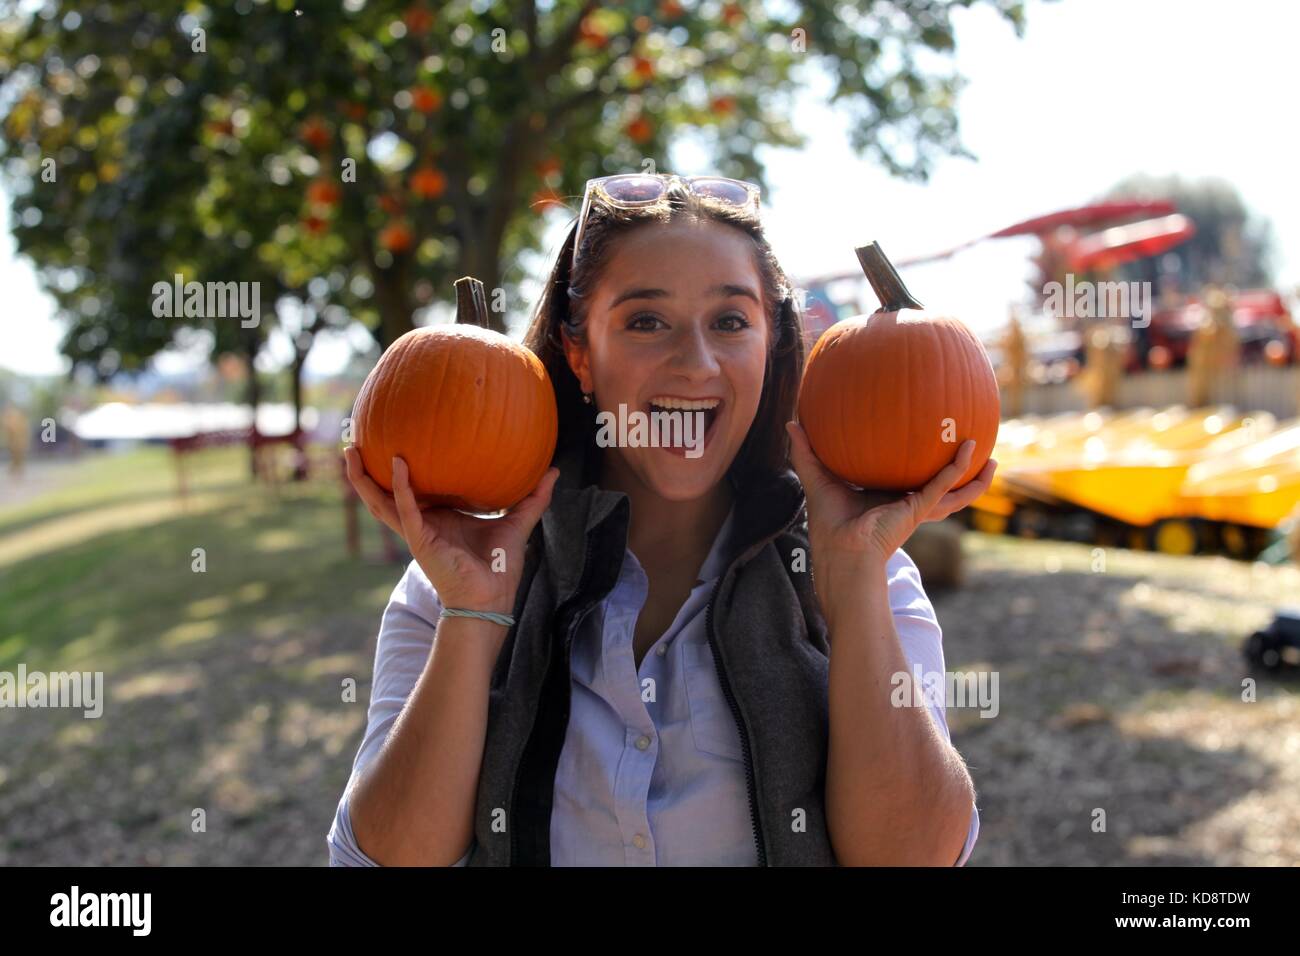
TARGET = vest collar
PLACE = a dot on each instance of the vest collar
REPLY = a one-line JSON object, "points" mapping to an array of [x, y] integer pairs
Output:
{"points": [[760, 513]]}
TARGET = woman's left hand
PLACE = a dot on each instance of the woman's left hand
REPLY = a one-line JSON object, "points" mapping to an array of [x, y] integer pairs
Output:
{"points": [[864, 528]]}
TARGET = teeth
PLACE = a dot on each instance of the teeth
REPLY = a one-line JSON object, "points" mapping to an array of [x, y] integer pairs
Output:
{"points": [[686, 404]]}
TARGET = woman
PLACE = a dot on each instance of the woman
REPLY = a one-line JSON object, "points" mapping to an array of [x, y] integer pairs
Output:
{"points": [[633, 666]]}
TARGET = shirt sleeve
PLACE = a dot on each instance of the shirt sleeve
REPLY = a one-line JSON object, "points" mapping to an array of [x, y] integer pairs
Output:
{"points": [[922, 640], [405, 638]]}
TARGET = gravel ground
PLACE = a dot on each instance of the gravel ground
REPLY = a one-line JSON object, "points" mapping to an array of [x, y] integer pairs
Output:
{"points": [[1119, 691], [1121, 702]]}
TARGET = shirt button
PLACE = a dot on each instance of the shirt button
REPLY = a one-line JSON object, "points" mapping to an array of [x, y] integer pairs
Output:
{"points": [[638, 841], [642, 742], [662, 650]]}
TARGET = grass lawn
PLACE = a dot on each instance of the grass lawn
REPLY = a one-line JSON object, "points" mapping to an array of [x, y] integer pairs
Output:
{"points": [[222, 686], [103, 568]]}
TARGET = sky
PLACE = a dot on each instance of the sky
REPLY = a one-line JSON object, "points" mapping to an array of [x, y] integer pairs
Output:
{"points": [[1095, 91]]}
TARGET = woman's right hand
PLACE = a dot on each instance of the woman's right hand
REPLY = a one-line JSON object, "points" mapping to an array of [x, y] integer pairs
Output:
{"points": [[457, 552]]}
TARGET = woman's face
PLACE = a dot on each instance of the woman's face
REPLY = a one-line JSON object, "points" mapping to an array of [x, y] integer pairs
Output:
{"points": [[678, 315]]}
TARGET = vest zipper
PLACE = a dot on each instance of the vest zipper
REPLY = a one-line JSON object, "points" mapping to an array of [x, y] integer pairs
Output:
{"points": [[751, 788]]}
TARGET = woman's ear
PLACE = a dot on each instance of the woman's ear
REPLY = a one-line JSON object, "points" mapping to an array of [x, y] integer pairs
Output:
{"points": [[577, 356]]}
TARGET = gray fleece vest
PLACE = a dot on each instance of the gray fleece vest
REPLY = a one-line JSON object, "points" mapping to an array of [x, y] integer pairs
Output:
{"points": [[769, 643]]}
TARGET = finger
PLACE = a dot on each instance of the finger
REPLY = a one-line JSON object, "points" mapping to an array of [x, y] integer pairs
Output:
{"points": [[927, 499], [524, 516], [408, 511], [378, 502], [959, 498]]}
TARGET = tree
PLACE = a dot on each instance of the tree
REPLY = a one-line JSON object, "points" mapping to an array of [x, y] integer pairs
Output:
{"points": [[1231, 245], [389, 149]]}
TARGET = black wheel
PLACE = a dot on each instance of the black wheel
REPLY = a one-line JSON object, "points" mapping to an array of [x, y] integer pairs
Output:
{"points": [[1263, 650], [1029, 522]]}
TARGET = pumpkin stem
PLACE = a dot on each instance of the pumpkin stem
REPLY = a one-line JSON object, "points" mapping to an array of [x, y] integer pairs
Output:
{"points": [[471, 303], [885, 280]]}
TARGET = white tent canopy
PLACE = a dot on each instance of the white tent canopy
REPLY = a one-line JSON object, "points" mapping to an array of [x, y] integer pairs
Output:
{"points": [[117, 421]]}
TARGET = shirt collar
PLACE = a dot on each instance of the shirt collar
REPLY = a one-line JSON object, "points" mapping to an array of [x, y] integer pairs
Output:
{"points": [[718, 556]]}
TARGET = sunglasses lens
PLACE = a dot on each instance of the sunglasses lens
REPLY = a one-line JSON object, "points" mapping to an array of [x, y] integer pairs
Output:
{"points": [[726, 190], [634, 188]]}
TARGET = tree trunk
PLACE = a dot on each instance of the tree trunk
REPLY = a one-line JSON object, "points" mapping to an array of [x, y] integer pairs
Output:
{"points": [[392, 293], [252, 347], [300, 450]]}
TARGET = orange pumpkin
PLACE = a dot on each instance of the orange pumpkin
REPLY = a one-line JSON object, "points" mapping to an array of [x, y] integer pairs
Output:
{"points": [[470, 411], [888, 398]]}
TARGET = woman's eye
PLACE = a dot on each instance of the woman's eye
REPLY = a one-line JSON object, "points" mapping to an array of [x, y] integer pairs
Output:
{"points": [[642, 322], [737, 321]]}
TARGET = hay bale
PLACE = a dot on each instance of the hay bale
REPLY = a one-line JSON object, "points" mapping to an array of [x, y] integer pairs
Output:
{"points": [[935, 547]]}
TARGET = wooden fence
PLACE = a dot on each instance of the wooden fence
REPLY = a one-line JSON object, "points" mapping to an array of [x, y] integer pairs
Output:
{"points": [[1255, 388]]}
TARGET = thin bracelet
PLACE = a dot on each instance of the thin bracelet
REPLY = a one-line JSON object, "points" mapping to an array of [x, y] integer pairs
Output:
{"points": [[492, 616]]}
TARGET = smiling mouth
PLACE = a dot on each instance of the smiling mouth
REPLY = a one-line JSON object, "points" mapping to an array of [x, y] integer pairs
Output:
{"points": [[710, 407]]}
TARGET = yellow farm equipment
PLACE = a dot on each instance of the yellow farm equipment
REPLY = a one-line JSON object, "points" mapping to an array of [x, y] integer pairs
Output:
{"points": [[1175, 480]]}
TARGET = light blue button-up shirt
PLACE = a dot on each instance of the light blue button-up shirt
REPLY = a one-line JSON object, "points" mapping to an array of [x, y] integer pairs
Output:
{"points": [[651, 772]]}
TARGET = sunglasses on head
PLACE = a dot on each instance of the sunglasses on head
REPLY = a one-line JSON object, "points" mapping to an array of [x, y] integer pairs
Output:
{"points": [[630, 190]]}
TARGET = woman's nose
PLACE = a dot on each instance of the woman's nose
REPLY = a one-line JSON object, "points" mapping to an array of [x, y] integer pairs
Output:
{"points": [[694, 355]]}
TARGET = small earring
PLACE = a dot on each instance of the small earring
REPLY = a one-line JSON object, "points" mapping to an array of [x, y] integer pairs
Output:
{"points": [[586, 397]]}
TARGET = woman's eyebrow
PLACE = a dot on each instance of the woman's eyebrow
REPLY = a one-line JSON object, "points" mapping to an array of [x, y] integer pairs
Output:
{"points": [[724, 290]]}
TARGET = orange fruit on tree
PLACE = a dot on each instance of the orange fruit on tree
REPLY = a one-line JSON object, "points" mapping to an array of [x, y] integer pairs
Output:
{"points": [[323, 192], [723, 105], [417, 19], [643, 67], [640, 130], [397, 238], [592, 33], [315, 133], [547, 167], [732, 14], [670, 9], [428, 183], [425, 98], [314, 225]]}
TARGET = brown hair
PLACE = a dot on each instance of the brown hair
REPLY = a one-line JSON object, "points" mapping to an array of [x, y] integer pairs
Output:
{"points": [[564, 305]]}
